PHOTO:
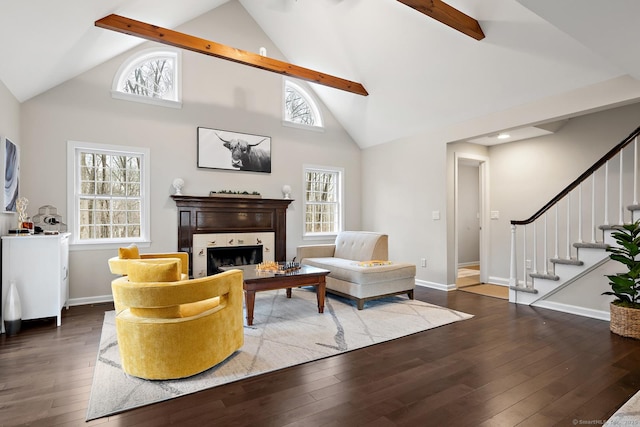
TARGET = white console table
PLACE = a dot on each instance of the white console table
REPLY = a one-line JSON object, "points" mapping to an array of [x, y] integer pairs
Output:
{"points": [[39, 266]]}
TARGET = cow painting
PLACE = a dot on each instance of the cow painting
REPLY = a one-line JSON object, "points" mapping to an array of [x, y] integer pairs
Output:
{"points": [[233, 151], [247, 156]]}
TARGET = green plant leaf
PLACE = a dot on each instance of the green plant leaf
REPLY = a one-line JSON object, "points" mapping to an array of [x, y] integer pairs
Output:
{"points": [[626, 286]]}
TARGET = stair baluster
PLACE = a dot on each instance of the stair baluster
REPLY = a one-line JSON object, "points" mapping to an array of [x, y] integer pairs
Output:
{"points": [[598, 198]]}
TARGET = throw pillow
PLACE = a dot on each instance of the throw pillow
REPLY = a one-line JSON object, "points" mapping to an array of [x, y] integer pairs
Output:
{"points": [[130, 252], [155, 270]]}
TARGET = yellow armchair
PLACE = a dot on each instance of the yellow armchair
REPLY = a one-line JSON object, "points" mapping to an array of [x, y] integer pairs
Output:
{"points": [[175, 329], [120, 264]]}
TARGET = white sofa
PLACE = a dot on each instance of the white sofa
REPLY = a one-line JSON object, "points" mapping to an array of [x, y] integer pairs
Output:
{"points": [[349, 275]]}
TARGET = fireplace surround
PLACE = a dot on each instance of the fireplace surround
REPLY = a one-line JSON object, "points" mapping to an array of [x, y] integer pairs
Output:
{"points": [[235, 215], [214, 250]]}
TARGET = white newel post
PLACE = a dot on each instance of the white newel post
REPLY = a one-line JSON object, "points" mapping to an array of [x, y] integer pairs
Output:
{"points": [[621, 210], [593, 208], [635, 172], [606, 193], [513, 280]]}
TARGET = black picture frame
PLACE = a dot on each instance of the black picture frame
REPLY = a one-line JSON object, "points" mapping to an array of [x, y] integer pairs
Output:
{"points": [[233, 151]]}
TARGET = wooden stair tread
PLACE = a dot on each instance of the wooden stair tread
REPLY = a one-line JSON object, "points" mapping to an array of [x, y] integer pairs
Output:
{"points": [[544, 276], [566, 261], [591, 245]]}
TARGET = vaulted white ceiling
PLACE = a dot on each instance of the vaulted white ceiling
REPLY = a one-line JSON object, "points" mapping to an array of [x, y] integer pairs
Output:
{"points": [[540, 60]]}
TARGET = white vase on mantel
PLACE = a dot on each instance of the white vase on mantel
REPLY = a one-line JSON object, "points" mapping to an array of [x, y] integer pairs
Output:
{"points": [[12, 312]]}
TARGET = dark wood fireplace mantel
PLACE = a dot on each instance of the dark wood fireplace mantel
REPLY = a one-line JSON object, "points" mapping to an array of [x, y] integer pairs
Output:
{"points": [[202, 214]]}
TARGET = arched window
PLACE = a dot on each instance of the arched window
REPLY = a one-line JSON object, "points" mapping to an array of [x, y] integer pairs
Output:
{"points": [[150, 76], [300, 108]]}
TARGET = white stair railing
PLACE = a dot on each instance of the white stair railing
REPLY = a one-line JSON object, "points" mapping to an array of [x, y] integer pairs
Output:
{"points": [[597, 213]]}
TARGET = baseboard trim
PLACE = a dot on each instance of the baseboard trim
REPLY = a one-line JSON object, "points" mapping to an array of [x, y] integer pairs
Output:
{"points": [[91, 300], [573, 309], [433, 285], [498, 281]]}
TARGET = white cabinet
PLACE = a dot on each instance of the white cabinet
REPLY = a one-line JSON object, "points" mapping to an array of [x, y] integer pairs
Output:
{"points": [[39, 266]]}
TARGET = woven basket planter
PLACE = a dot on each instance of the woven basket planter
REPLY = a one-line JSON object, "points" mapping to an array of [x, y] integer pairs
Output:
{"points": [[625, 321]]}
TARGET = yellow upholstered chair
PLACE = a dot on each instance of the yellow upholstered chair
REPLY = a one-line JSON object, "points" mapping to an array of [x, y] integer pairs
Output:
{"points": [[120, 264], [171, 328]]}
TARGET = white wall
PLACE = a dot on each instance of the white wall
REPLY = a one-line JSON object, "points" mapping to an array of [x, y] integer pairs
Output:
{"points": [[404, 183], [216, 94], [9, 128]]}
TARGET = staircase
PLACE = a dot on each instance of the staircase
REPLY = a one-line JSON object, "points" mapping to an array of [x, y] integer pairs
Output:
{"points": [[564, 243]]}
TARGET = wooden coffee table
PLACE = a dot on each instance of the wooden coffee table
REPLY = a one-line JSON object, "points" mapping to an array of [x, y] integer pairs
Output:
{"points": [[255, 281]]}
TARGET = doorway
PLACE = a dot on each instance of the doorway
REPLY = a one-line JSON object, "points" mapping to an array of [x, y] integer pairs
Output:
{"points": [[472, 227], [468, 223]]}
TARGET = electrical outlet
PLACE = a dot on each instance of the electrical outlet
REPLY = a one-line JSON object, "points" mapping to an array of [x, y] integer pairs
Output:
{"points": [[423, 262]]}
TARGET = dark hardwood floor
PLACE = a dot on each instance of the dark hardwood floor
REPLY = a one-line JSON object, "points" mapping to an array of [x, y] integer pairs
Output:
{"points": [[509, 365]]}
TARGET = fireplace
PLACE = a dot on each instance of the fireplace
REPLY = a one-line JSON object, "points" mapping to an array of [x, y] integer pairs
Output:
{"points": [[231, 257], [213, 221], [234, 248]]}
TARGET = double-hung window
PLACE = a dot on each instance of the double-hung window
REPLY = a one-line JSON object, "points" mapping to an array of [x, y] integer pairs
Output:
{"points": [[108, 196], [323, 201]]}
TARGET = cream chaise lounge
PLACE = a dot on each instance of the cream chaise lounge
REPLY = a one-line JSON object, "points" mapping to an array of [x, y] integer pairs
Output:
{"points": [[353, 275]]}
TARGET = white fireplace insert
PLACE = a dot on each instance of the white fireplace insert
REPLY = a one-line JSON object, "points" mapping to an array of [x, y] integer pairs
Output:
{"points": [[203, 258]]}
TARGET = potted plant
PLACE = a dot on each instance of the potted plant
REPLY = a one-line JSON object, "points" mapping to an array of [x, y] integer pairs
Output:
{"points": [[625, 309]]}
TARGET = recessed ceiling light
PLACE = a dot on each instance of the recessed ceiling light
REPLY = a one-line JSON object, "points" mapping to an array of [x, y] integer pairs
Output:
{"points": [[503, 136]]}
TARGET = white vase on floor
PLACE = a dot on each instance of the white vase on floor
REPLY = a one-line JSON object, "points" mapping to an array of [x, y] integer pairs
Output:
{"points": [[12, 312]]}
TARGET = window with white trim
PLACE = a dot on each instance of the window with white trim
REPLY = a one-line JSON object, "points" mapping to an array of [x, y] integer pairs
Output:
{"points": [[108, 193], [151, 76], [323, 200], [300, 107]]}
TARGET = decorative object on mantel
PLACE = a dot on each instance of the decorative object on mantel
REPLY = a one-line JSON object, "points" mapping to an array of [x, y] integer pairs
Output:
{"points": [[625, 310], [178, 183], [235, 194], [12, 310], [286, 191]]}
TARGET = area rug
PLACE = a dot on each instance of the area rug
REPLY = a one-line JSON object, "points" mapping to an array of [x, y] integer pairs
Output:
{"points": [[286, 332], [627, 415]]}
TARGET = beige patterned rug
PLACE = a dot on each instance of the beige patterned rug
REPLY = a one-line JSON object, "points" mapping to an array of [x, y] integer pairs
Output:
{"points": [[286, 332]]}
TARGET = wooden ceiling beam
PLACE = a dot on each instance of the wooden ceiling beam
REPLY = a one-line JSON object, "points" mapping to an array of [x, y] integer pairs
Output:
{"points": [[184, 41], [448, 15]]}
